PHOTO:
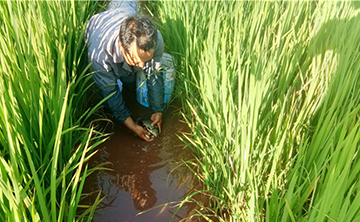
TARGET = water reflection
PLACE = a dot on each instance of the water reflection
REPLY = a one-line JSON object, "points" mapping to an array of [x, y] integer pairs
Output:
{"points": [[131, 165]]}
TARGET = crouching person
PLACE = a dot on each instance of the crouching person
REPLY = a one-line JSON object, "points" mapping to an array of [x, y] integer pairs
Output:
{"points": [[120, 44]]}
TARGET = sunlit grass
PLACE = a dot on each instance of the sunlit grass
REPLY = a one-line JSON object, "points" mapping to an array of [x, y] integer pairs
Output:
{"points": [[45, 141], [270, 91]]}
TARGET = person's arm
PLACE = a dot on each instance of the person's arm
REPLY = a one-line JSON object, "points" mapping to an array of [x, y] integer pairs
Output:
{"points": [[108, 86], [137, 129], [156, 98], [155, 84], [106, 83]]}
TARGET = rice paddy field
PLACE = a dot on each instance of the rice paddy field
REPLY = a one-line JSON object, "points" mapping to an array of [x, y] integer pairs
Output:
{"points": [[271, 93], [270, 90], [45, 138]]}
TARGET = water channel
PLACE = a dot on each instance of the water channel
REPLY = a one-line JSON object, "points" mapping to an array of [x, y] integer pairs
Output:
{"points": [[148, 179]]}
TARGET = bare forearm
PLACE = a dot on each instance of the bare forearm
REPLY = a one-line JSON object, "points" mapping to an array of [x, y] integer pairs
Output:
{"points": [[130, 124]]}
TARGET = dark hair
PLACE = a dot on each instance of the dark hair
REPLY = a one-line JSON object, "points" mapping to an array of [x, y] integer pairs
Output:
{"points": [[138, 28]]}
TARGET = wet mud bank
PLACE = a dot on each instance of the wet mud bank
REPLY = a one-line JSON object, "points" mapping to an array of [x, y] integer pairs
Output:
{"points": [[147, 180]]}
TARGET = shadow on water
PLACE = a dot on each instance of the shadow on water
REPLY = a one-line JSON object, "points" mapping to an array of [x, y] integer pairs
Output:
{"points": [[145, 176]]}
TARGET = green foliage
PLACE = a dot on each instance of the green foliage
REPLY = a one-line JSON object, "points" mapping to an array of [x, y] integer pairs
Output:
{"points": [[271, 93], [44, 140]]}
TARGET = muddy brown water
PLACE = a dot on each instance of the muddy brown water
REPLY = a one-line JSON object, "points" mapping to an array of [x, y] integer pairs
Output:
{"points": [[148, 179]]}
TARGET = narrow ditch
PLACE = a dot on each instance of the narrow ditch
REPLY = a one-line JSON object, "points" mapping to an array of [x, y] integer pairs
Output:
{"points": [[147, 180]]}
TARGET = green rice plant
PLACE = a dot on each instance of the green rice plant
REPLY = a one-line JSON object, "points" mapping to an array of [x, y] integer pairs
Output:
{"points": [[323, 184], [259, 81], [45, 141]]}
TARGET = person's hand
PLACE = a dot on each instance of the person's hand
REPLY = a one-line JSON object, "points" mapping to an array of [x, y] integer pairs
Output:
{"points": [[157, 119], [141, 132], [137, 129]]}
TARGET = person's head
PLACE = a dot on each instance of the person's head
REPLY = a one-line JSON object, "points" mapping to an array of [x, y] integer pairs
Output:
{"points": [[142, 194], [138, 38]]}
